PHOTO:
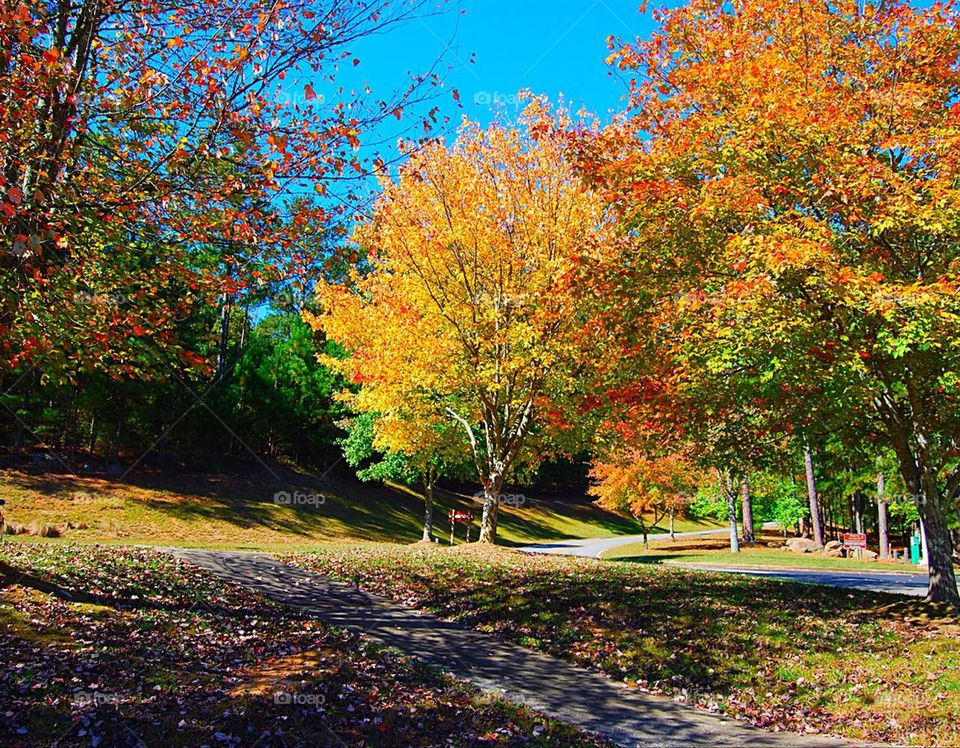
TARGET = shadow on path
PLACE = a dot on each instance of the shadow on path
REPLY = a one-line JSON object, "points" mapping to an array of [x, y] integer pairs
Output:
{"points": [[545, 683]]}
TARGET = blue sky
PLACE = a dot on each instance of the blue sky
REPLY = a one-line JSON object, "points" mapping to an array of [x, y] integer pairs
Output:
{"points": [[493, 49], [552, 48]]}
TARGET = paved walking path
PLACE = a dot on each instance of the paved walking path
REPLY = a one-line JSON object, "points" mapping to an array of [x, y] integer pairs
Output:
{"points": [[545, 683]]}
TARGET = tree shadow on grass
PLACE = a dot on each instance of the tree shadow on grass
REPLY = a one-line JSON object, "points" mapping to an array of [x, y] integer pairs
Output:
{"points": [[166, 683], [64, 587], [652, 558], [248, 503], [679, 629]]}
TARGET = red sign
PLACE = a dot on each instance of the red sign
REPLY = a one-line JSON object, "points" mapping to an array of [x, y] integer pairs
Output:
{"points": [[458, 516], [854, 540]]}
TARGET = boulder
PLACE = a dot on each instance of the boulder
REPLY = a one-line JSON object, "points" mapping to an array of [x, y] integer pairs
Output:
{"points": [[46, 531], [833, 552], [802, 545], [832, 545]]}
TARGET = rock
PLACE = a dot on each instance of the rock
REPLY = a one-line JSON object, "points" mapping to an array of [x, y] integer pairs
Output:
{"points": [[868, 555], [776, 544], [832, 545], [833, 552], [46, 531], [802, 545]]}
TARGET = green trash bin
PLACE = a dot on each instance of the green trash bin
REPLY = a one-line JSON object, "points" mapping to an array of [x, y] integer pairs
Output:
{"points": [[914, 549]]}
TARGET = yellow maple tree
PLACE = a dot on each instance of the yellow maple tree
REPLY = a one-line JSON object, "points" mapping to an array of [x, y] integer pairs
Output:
{"points": [[465, 310]]}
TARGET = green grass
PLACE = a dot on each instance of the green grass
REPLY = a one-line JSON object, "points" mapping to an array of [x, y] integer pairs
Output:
{"points": [[780, 655], [238, 511]]}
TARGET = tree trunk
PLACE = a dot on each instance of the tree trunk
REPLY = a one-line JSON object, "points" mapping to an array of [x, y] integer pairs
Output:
{"points": [[922, 484], [942, 587], [428, 481], [118, 434], [92, 438], [18, 440], [856, 503], [488, 523], [734, 540], [815, 524], [726, 487], [224, 340], [747, 506], [491, 509], [672, 534], [494, 463], [882, 528]]}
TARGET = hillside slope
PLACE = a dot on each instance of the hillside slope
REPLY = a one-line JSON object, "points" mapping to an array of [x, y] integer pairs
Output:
{"points": [[240, 511]]}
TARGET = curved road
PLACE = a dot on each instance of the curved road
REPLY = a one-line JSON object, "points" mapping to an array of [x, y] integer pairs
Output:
{"points": [[893, 582], [596, 547]]}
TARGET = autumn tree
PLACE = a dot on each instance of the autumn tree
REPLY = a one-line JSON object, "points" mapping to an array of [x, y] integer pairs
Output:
{"points": [[148, 148], [641, 484], [466, 308], [789, 174]]}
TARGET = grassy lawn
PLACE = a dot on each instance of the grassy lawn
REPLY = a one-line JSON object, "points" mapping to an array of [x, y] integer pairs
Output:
{"points": [[779, 655], [238, 511], [111, 646], [715, 550]]}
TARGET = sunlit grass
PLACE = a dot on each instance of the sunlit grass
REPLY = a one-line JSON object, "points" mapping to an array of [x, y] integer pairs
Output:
{"points": [[220, 511]]}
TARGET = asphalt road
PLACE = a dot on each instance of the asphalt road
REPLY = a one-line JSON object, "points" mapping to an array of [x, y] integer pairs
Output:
{"points": [[898, 583], [596, 547]]}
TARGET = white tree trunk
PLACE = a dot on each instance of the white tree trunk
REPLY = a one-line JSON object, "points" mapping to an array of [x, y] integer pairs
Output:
{"points": [[882, 524], [815, 522], [428, 482]]}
